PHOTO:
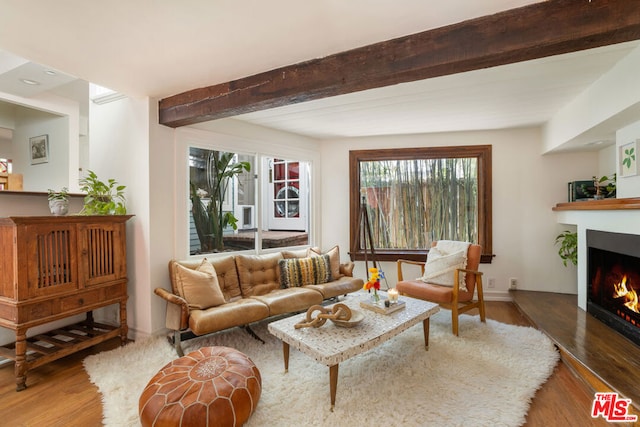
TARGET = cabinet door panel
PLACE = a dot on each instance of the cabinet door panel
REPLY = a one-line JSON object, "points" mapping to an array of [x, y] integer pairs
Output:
{"points": [[102, 253], [52, 259]]}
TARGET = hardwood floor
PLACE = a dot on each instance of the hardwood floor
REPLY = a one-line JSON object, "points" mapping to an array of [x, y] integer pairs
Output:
{"points": [[60, 394]]}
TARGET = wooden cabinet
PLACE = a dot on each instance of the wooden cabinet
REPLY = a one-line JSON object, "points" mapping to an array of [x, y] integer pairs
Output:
{"points": [[54, 267]]}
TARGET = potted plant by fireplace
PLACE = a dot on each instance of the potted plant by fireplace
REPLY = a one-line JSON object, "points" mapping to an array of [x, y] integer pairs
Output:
{"points": [[568, 250], [102, 198], [59, 201]]}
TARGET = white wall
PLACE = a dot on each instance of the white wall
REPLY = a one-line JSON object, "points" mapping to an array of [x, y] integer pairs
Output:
{"points": [[628, 186], [53, 174], [526, 186], [61, 113], [119, 149], [611, 102]]}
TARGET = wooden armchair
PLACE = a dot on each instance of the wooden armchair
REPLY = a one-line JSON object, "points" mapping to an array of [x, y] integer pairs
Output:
{"points": [[451, 298]]}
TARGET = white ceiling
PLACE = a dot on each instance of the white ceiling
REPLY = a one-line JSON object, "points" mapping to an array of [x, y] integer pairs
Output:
{"points": [[523, 94], [158, 48]]}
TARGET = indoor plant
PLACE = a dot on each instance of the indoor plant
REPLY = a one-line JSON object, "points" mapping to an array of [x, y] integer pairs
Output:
{"points": [[568, 247], [59, 201], [102, 198]]}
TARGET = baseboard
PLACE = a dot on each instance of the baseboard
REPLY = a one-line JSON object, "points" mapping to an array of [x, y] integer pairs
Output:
{"points": [[497, 296]]}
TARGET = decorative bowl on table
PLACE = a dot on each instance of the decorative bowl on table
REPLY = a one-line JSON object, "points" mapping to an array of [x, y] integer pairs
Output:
{"points": [[356, 317]]}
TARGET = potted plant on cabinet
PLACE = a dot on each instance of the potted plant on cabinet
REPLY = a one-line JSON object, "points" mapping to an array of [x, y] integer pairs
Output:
{"points": [[102, 198], [59, 201]]}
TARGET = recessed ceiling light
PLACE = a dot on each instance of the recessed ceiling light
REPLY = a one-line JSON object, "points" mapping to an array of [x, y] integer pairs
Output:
{"points": [[50, 72], [30, 82]]}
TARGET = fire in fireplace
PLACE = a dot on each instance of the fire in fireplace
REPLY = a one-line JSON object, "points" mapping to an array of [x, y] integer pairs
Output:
{"points": [[614, 280]]}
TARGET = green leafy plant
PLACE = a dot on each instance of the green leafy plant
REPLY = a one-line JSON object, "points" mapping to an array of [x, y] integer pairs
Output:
{"points": [[629, 156], [604, 184], [63, 194], [103, 198], [209, 218], [568, 250]]}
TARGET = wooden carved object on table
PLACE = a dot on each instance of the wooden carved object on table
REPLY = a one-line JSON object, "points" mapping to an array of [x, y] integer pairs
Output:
{"points": [[337, 312]]}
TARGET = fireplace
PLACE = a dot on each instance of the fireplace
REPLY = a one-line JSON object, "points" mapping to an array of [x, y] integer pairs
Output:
{"points": [[614, 281]]}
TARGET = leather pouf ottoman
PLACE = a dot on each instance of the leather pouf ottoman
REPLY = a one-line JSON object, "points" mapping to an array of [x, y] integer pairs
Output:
{"points": [[213, 386]]}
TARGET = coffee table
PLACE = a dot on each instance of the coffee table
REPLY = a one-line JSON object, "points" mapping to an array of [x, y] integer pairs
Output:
{"points": [[331, 344]]}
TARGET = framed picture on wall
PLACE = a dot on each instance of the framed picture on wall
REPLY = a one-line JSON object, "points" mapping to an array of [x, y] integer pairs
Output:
{"points": [[628, 165], [39, 146]]}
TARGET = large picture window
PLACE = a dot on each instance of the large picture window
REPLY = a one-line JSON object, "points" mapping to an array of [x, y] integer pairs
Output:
{"points": [[227, 211], [415, 196]]}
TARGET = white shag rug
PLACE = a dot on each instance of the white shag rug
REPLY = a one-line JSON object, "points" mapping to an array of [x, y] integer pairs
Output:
{"points": [[485, 377]]}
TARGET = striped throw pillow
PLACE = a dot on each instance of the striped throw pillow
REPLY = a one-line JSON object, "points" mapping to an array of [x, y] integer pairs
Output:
{"points": [[304, 271]]}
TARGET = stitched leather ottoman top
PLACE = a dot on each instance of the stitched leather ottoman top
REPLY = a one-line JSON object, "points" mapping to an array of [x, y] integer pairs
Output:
{"points": [[213, 386]]}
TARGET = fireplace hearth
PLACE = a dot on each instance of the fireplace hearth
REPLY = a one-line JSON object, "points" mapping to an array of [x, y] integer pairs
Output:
{"points": [[614, 281]]}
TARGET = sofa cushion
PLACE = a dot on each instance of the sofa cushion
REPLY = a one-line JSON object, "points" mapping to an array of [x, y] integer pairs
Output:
{"points": [[290, 300], [199, 287], [258, 274], [334, 258], [304, 271], [229, 315], [334, 288], [227, 277]]}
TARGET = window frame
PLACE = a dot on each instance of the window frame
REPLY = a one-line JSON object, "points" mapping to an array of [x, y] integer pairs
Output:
{"points": [[481, 152]]}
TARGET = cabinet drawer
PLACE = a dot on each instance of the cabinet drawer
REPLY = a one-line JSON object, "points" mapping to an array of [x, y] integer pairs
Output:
{"points": [[85, 299]]}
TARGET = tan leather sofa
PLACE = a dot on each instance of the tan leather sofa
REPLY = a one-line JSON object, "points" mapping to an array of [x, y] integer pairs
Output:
{"points": [[252, 291]]}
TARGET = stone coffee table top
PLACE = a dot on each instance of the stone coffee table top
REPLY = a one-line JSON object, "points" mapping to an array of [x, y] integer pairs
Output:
{"points": [[331, 344]]}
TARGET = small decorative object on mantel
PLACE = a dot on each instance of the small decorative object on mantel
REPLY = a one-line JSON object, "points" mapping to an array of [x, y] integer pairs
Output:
{"points": [[384, 309], [339, 314], [59, 201]]}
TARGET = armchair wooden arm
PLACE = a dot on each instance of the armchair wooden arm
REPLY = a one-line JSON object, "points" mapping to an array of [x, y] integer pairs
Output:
{"points": [[177, 310], [406, 261]]}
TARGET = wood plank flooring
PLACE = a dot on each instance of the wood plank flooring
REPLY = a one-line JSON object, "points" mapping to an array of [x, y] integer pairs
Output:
{"points": [[60, 394], [602, 357]]}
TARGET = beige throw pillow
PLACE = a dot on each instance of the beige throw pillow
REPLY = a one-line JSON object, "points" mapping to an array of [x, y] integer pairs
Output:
{"points": [[440, 268], [334, 260], [199, 287]]}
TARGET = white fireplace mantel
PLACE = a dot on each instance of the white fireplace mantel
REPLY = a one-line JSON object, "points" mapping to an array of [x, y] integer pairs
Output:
{"points": [[614, 215]]}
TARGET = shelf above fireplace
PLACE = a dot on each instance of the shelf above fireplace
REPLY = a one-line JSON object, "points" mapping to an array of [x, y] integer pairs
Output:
{"points": [[600, 205]]}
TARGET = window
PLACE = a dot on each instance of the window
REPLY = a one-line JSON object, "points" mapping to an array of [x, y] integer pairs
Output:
{"points": [[414, 196], [227, 212]]}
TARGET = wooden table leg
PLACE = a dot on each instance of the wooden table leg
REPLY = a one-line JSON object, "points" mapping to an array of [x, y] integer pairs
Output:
{"points": [[20, 368], [333, 384], [124, 328], [285, 353], [425, 327]]}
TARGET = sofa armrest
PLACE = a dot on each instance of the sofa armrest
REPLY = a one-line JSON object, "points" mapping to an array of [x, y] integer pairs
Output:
{"points": [[177, 317], [347, 268]]}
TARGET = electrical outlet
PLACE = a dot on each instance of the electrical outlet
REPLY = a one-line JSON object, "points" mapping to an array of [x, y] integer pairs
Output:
{"points": [[492, 283], [513, 283]]}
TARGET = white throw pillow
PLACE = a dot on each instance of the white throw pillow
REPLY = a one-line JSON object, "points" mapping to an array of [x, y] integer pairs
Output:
{"points": [[440, 267]]}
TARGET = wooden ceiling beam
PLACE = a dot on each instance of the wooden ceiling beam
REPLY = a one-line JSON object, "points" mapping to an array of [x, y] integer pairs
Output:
{"points": [[539, 30]]}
